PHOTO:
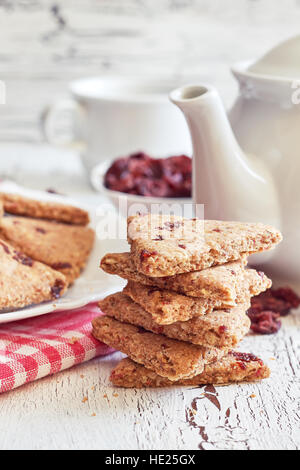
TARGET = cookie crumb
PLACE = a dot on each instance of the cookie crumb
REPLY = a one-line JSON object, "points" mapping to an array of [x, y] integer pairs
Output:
{"points": [[252, 395], [104, 396], [115, 394], [85, 399], [82, 376], [272, 359], [93, 414]]}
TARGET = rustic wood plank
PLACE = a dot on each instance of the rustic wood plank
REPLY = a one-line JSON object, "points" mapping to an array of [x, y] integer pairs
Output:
{"points": [[208, 417]]}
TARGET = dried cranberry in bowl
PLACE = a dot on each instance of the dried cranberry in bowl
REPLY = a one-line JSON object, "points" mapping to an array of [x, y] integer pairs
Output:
{"points": [[155, 177]]}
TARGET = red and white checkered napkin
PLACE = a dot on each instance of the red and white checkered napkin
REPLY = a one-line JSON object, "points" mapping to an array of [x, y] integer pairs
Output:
{"points": [[36, 347]]}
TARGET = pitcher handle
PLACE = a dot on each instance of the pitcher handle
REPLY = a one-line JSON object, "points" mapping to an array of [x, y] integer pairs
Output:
{"points": [[57, 124]]}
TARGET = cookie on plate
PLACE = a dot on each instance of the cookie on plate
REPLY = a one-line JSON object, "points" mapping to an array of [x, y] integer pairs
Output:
{"points": [[20, 205], [63, 247], [24, 281]]}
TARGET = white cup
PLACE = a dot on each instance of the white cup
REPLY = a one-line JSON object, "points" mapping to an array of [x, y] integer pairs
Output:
{"points": [[113, 117]]}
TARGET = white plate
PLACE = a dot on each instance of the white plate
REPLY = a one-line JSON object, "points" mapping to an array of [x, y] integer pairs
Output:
{"points": [[92, 285]]}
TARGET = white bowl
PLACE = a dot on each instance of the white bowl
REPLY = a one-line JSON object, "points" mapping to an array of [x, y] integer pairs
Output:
{"points": [[134, 203]]}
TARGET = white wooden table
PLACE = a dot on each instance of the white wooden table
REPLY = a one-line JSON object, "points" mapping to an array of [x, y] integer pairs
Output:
{"points": [[53, 413], [44, 45]]}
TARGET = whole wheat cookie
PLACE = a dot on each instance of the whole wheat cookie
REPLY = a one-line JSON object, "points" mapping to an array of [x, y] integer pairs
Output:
{"points": [[235, 367], [63, 247], [167, 245], [167, 307], [24, 281], [167, 357], [20, 205], [220, 284], [218, 329]]}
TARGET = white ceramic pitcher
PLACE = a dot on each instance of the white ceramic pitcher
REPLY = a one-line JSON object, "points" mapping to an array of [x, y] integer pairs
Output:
{"points": [[247, 164]]}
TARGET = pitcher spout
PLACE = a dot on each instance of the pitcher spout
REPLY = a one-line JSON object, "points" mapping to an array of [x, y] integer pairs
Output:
{"points": [[230, 184]]}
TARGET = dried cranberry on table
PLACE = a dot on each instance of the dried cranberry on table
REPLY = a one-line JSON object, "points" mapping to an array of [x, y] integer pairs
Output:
{"points": [[155, 177], [267, 307], [265, 322], [287, 295]]}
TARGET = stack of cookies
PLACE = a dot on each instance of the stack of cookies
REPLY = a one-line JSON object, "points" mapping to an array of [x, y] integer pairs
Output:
{"points": [[43, 248], [184, 307]]}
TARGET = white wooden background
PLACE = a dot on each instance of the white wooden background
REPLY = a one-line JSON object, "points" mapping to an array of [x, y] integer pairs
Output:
{"points": [[45, 44]]}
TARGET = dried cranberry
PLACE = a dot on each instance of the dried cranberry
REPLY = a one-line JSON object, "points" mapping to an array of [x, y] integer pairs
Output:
{"points": [[57, 288], [140, 174], [267, 307], [150, 188], [265, 323], [266, 301], [171, 225], [147, 254], [264, 315], [288, 295], [245, 357], [23, 259], [222, 329], [177, 172], [59, 266]]}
